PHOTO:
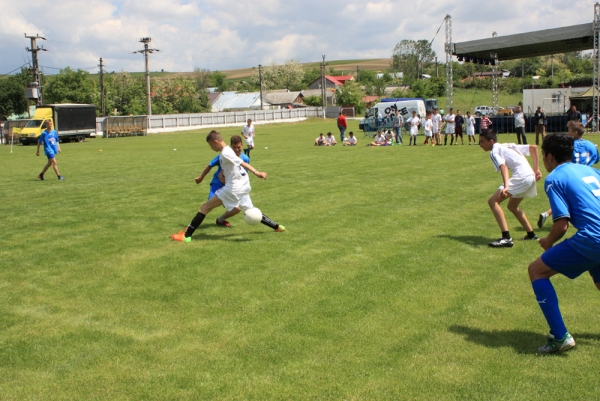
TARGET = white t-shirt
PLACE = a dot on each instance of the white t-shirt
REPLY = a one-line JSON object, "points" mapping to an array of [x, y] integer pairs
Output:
{"points": [[428, 127], [351, 139], [450, 124], [470, 125], [519, 120], [513, 156], [414, 125], [236, 177], [248, 131], [436, 119], [329, 139], [380, 138]]}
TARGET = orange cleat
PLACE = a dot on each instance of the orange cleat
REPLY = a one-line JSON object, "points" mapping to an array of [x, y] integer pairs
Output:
{"points": [[180, 237]]}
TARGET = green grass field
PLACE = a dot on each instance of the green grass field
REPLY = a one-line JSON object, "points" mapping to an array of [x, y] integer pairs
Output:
{"points": [[382, 288]]}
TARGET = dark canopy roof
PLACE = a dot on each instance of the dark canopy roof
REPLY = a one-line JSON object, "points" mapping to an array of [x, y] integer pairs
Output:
{"points": [[531, 44]]}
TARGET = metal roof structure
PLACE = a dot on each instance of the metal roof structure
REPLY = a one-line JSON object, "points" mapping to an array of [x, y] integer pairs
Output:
{"points": [[530, 44], [237, 101]]}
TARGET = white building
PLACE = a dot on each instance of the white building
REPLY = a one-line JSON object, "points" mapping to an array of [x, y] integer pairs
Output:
{"points": [[553, 100]]}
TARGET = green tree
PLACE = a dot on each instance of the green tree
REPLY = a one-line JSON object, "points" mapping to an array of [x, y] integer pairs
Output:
{"points": [[409, 56], [315, 101], [125, 94], [202, 78], [71, 86], [286, 76], [12, 96], [310, 75], [218, 80], [350, 94]]}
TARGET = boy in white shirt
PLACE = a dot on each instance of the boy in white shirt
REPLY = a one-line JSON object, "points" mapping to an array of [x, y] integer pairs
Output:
{"points": [[350, 140], [330, 140], [510, 157], [436, 120], [470, 120], [248, 134], [449, 127], [414, 123], [428, 130]]}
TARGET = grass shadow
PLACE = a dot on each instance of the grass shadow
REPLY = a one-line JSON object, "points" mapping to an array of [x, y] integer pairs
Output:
{"points": [[522, 342], [473, 240]]}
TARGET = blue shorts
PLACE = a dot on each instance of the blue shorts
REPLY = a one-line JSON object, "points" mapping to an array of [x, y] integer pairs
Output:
{"points": [[214, 187], [50, 156], [563, 259]]}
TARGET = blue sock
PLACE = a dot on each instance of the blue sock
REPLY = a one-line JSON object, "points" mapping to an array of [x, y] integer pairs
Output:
{"points": [[548, 302]]}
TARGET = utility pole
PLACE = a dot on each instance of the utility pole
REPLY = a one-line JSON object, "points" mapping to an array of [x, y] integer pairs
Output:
{"points": [[145, 52], [102, 97], [437, 73], [35, 88], [261, 88], [358, 73], [323, 89]]}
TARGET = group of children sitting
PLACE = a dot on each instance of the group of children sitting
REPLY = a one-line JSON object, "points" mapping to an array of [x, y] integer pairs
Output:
{"points": [[329, 140]]}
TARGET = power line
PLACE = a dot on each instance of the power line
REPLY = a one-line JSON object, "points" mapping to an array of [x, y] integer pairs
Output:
{"points": [[18, 68]]}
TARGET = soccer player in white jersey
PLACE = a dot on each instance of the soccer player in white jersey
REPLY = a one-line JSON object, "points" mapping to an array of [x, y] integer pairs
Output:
{"points": [[470, 121], [584, 152], [436, 120], [428, 130], [235, 193], [449, 126], [511, 158], [414, 123], [248, 134]]}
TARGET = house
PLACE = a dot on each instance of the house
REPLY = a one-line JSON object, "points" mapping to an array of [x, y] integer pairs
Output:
{"points": [[331, 82], [233, 101], [285, 99], [212, 97], [329, 94]]}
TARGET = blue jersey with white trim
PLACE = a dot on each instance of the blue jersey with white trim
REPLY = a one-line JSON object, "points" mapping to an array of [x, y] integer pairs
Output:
{"points": [[584, 152], [574, 192]]}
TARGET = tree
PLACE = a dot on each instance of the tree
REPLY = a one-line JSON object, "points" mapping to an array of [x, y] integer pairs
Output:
{"points": [[125, 94], [315, 101], [70, 86], [310, 75], [410, 55], [12, 97], [218, 80], [202, 78], [286, 76], [350, 94]]}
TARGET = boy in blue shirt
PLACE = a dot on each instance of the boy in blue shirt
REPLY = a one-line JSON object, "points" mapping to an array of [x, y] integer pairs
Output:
{"points": [[574, 194], [49, 138], [584, 152]]}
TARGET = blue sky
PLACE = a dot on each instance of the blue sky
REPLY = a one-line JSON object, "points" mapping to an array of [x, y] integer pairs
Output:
{"points": [[222, 34]]}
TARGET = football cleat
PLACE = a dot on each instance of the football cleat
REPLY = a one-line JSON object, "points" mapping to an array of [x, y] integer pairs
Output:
{"points": [[180, 237], [280, 229], [41, 177], [527, 238], [542, 219], [61, 178], [554, 346], [224, 223], [502, 243]]}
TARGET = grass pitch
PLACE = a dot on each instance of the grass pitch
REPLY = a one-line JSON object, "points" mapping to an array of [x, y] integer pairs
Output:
{"points": [[382, 288]]}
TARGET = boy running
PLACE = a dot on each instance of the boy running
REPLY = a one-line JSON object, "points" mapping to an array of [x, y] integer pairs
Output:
{"points": [[511, 157], [574, 194], [235, 193], [49, 138], [584, 152]]}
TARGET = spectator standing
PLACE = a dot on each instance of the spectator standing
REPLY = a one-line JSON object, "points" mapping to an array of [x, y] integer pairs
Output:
{"points": [[436, 121], [573, 114], [342, 126], [414, 123], [485, 122], [450, 123], [248, 134], [398, 122], [459, 120], [520, 126], [540, 124], [470, 120]]}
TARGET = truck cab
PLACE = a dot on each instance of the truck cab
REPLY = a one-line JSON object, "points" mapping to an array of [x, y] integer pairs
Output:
{"points": [[30, 133]]}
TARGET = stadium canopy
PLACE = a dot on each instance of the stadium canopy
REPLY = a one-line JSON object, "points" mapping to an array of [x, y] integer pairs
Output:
{"points": [[530, 44]]}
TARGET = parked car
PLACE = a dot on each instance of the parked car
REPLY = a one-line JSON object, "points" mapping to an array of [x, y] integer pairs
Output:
{"points": [[479, 109]]}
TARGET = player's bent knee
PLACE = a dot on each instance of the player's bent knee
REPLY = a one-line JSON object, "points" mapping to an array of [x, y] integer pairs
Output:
{"points": [[538, 269]]}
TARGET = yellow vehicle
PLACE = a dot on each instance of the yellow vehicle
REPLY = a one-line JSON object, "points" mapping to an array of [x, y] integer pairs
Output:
{"points": [[71, 122]]}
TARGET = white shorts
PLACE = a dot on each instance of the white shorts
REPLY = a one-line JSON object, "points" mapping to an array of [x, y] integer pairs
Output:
{"points": [[414, 131], [428, 133], [521, 187], [471, 131], [232, 199], [449, 129], [250, 142]]}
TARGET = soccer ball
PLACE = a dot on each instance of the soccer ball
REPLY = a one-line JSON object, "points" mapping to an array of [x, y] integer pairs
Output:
{"points": [[253, 216]]}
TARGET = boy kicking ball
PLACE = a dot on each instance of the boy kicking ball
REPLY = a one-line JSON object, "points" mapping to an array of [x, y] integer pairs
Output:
{"points": [[236, 192], [574, 194], [511, 157]]}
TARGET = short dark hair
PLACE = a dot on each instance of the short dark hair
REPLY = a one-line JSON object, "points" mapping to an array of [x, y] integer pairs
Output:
{"points": [[559, 145], [489, 135], [351, 133], [213, 135], [329, 133], [235, 140]]}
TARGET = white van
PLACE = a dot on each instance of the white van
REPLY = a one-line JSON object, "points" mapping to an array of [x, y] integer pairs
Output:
{"points": [[386, 109]]}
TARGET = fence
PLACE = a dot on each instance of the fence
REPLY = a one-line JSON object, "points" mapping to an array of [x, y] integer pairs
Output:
{"points": [[506, 124], [122, 126]]}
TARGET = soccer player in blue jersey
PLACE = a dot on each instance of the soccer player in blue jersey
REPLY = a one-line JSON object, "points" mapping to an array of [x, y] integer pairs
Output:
{"points": [[574, 194], [584, 152], [218, 180], [49, 138]]}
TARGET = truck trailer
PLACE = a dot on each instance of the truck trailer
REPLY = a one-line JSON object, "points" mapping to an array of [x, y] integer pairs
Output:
{"points": [[72, 122]]}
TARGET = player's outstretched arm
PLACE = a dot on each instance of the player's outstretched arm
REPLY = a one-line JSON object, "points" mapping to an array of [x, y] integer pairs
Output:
{"points": [[251, 169], [557, 231], [533, 151], [204, 173]]}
